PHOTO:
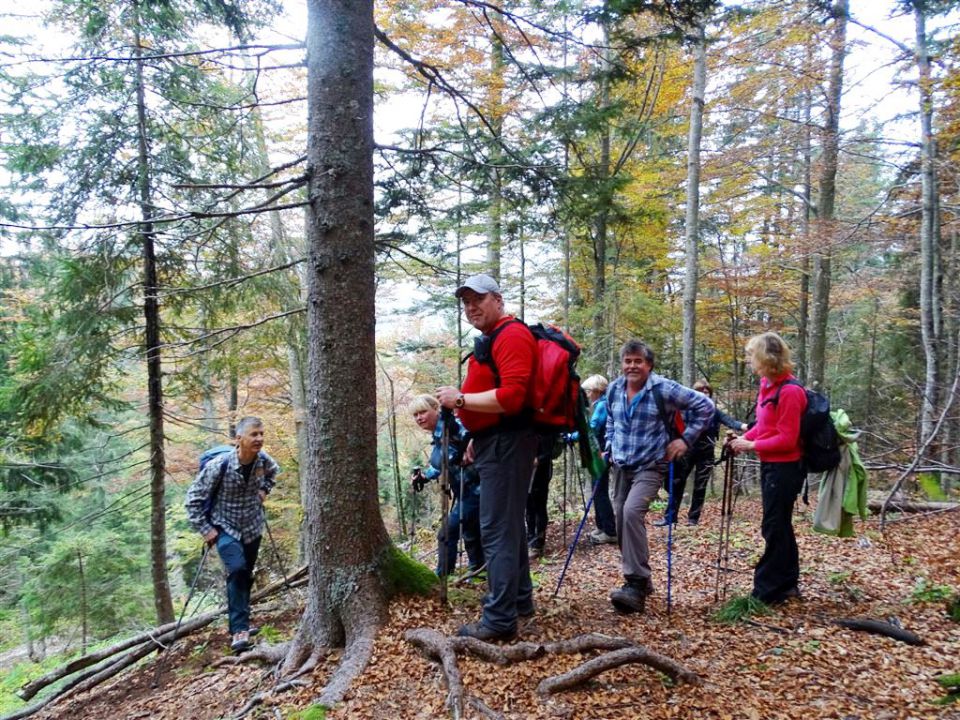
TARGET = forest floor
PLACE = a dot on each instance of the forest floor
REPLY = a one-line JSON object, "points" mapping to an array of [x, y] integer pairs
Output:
{"points": [[793, 663]]}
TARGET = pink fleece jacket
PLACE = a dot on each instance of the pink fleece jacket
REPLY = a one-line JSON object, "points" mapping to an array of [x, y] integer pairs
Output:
{"points": [[777, 432]]}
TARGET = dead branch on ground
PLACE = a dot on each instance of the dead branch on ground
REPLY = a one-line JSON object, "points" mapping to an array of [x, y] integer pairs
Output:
{"points": [[880, 627]]}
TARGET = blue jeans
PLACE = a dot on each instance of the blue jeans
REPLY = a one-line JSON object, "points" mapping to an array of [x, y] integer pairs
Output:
{"points": [[466, 509], [606, 521], [238, 560]]}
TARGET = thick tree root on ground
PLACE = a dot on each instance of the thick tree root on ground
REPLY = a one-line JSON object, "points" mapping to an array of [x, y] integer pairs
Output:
{"points": [[260, 697], [880, 627], [616, 658], [260, 653], [619, 651]]}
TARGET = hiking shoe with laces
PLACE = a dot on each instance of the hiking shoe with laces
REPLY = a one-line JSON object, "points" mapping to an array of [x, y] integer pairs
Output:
{"points": [[241, 642], [481, 632], [629, 599], [599, 537]]}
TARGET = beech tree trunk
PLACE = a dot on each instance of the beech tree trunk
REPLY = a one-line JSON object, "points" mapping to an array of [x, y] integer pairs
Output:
{"points": [[822, 260], [929, 240], [348, 542], [495, 113], [692, 227]]}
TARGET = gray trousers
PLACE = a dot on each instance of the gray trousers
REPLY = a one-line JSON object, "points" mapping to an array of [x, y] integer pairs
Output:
{"points": [[633, 492], [504, 461]]}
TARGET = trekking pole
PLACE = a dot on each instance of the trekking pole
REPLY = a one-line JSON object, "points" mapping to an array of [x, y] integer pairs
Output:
{"points": [[446, 416], [461, 542], [670, 540], [193, 587], [566, 472], [276, 552], [576, 537], [726, 457]]}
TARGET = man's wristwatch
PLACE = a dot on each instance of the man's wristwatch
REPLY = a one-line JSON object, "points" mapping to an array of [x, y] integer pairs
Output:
{"points": [[458, 403]]}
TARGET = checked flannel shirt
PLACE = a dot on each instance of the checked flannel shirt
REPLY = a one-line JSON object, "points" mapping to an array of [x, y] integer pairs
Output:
{"points": [[236, 508], [636, 435]]}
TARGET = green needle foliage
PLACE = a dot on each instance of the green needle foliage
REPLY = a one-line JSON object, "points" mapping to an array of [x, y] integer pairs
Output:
{"points": [[739, 608]]}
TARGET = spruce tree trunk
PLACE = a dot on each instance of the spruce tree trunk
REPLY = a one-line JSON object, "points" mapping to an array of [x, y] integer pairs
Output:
{"points": [[601, 342], [692, 225], [823, 260], [348, 542], [151, 312]]}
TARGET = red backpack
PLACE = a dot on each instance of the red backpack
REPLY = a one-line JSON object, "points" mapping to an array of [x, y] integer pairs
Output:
{"points": [[556, 390]]}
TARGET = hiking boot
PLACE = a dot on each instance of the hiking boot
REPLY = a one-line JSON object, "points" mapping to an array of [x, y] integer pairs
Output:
{"points": [[664, 521], [691, 521], [599, 537], [534, 552], [481, 632], [253, 631], [629, 599], [241, 642], [527, 612]]}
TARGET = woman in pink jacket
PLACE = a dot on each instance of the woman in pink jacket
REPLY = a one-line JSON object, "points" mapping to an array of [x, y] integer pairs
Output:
{"points": [[775, 438]]}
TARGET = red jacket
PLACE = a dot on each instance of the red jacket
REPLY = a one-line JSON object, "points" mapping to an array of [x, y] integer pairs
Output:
{"points": [[515, 354], [777, 432]]}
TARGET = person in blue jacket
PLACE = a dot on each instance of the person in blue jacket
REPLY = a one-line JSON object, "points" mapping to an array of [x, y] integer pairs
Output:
{"points": [[464, 484], [595, 387], [701, 461]]}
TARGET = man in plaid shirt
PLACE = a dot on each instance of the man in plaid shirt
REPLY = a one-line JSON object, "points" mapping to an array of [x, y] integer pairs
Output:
{"points": [[225, 505], [640, 449]]}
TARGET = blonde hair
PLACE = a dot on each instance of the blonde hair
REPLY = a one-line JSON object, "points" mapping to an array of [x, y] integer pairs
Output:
{"points": [[703, 386], [595, 383], [422, 403], [771, 352]]}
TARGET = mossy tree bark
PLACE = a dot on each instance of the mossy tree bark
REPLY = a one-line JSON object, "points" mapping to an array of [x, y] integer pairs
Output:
{"points": [[348, 542]]}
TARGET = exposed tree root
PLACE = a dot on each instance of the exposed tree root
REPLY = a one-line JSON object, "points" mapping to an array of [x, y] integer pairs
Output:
{"points": [[620, 651], [483, 708], [260, 697], [355, 659], [260, 653], [616, 658], [880, 627]]}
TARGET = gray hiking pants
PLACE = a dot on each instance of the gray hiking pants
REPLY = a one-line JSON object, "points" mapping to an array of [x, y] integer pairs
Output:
{"points": [[634, 490], [504, 461]]}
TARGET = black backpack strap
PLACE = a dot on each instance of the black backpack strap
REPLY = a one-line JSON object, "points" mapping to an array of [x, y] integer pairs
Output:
{"points": [[491, 339], [776, 396], [664, 417]]}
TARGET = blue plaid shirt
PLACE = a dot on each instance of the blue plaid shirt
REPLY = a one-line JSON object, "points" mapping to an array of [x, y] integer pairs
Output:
{"points": [[636, 435], [236, 508]]}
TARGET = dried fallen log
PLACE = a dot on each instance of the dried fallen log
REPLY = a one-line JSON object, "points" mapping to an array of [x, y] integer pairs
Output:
{"points": [[880, 627], [910, 506], [35, 686], [111, 666], [104, 664], [616, 658]]}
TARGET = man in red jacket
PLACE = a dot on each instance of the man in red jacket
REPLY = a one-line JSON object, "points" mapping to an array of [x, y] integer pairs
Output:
{"points": [[494, 404]]}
